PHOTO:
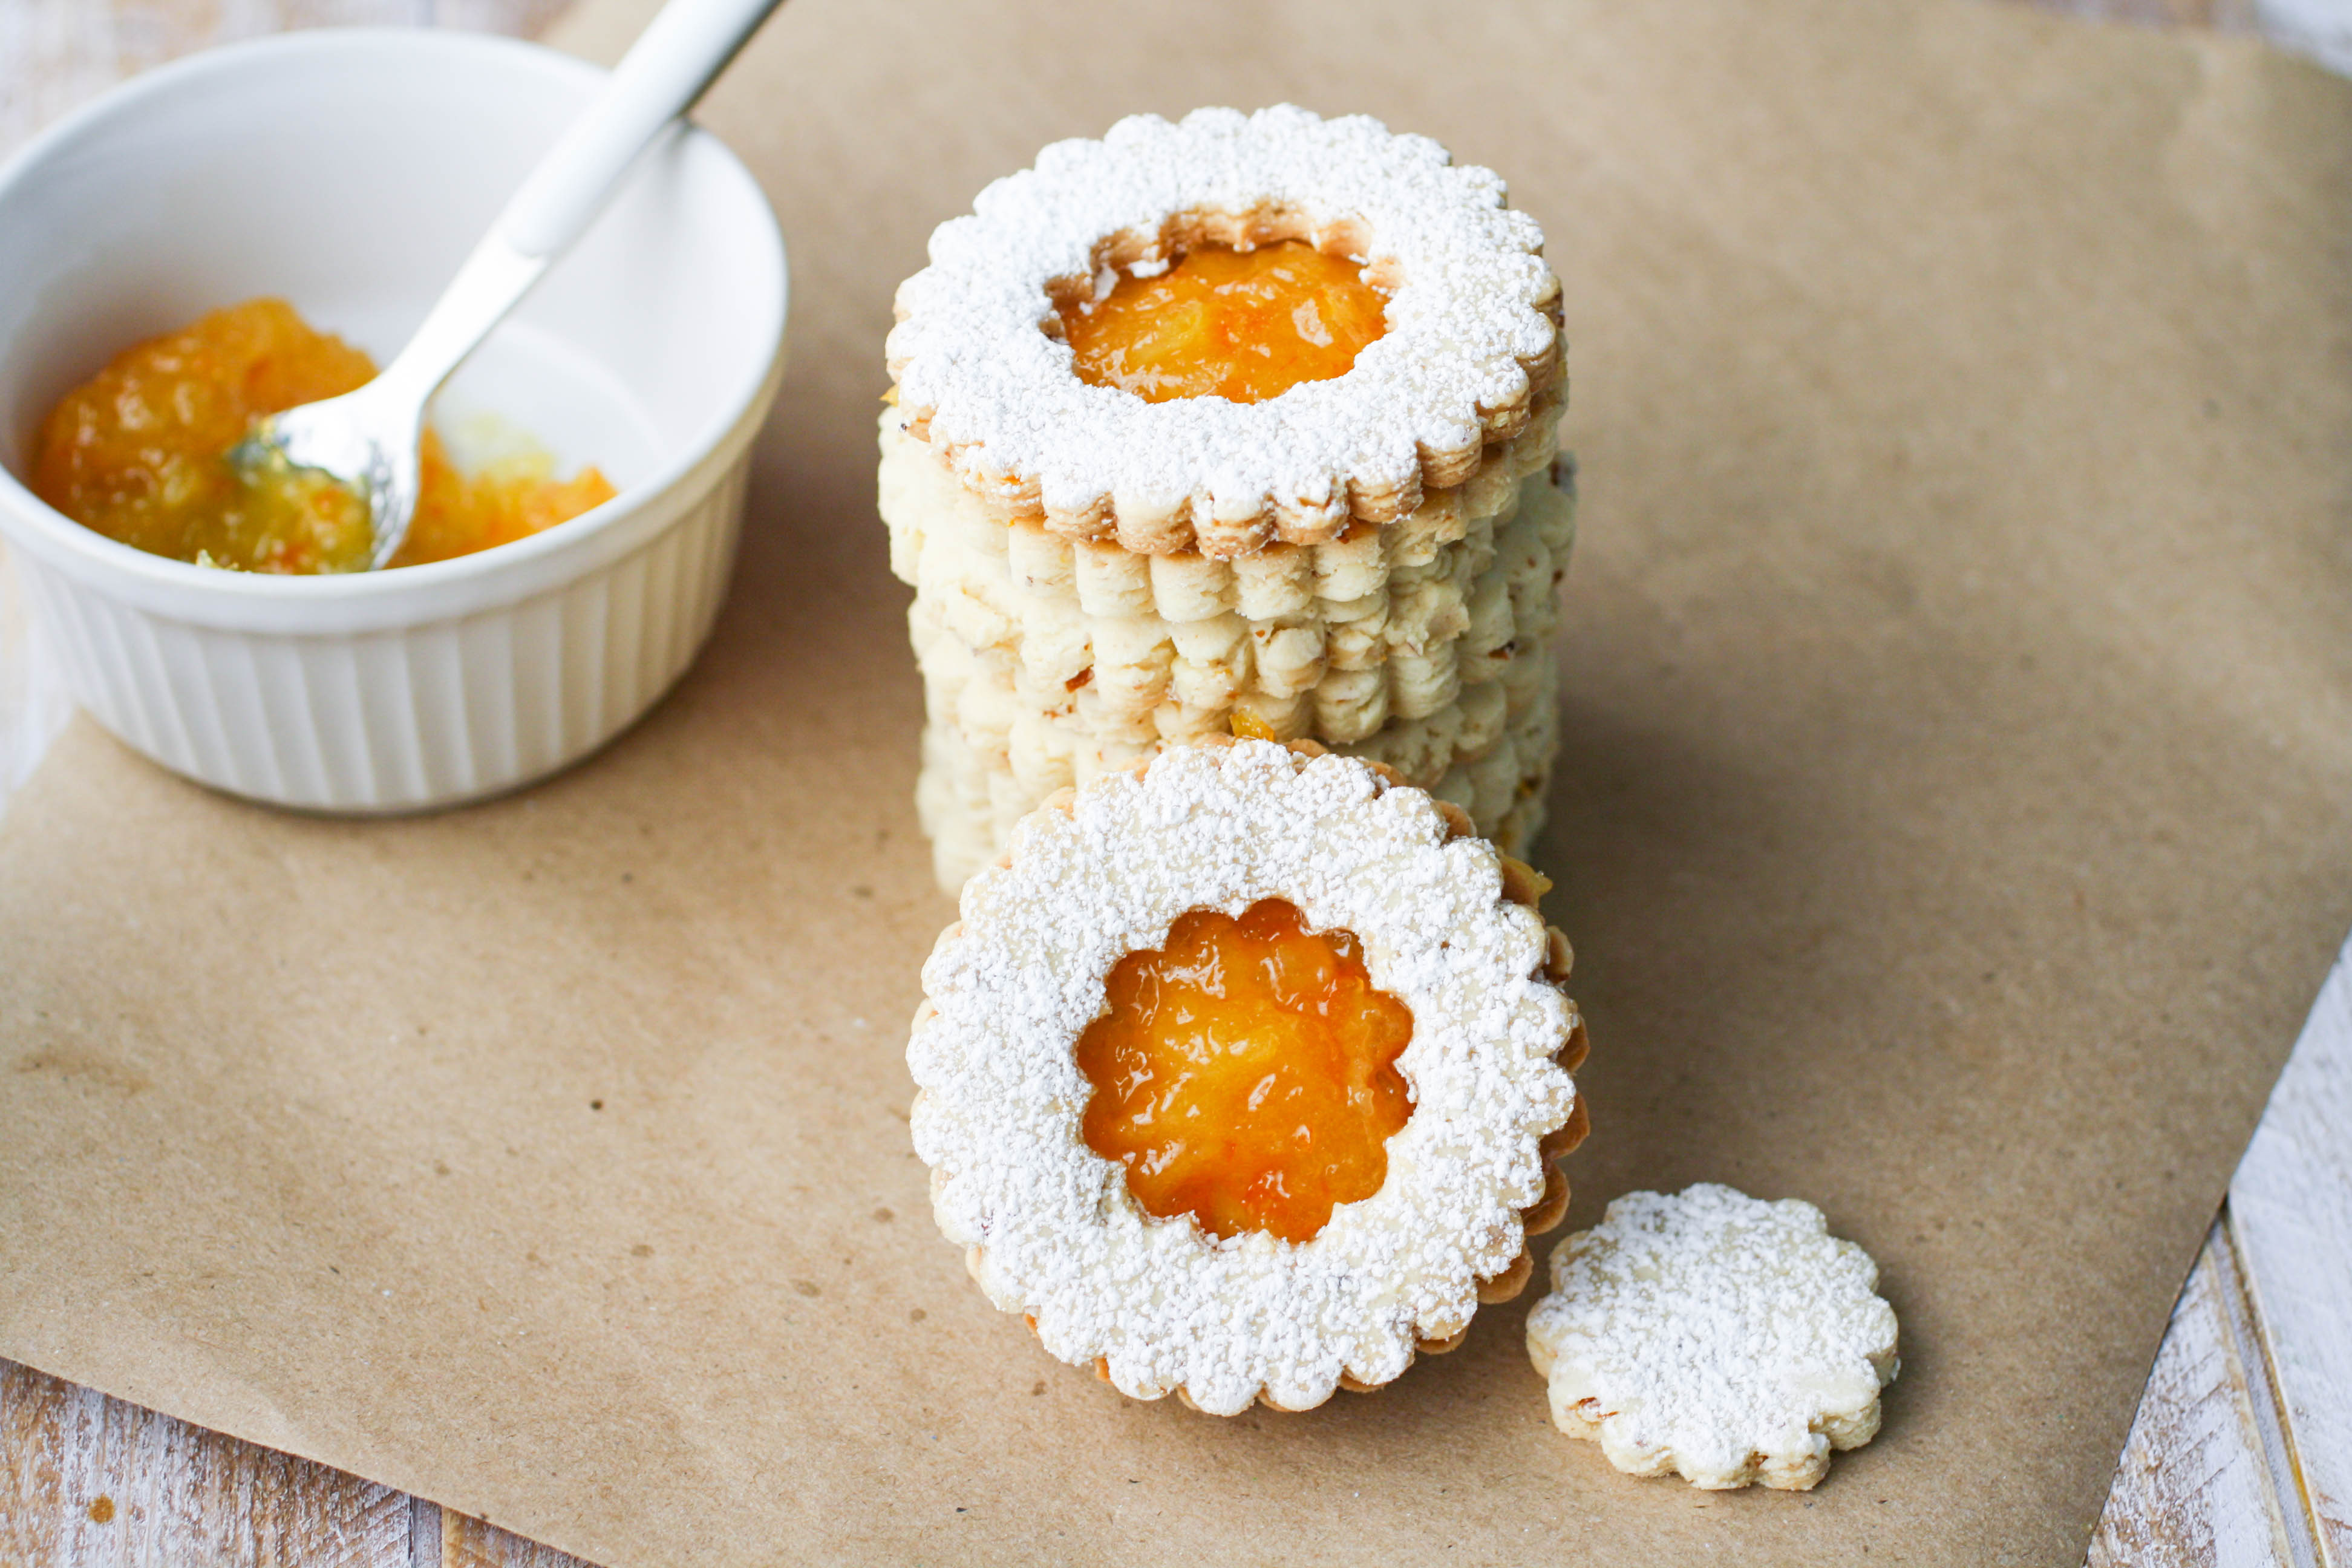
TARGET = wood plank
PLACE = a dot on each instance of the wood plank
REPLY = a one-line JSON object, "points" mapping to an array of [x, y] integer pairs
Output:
{"points": [[2198, 1483], [98, 1483], [475, 1544], [2291, 1219]]}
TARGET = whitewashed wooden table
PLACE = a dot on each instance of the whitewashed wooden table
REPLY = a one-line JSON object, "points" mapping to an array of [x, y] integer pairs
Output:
{"points": [[2241, 1454]]}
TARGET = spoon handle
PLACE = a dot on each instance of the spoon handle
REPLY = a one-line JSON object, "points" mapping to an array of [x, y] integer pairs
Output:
{"points": [[682, 50]]}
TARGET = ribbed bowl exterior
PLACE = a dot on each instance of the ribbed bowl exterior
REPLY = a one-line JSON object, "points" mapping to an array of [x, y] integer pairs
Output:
{"points": [[414, 716], [656, 345]]}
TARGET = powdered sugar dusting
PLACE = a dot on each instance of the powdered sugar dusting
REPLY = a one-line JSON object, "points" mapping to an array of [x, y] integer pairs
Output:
{"points": [[1017, 981], [1713, 1334], [1466, 317]]}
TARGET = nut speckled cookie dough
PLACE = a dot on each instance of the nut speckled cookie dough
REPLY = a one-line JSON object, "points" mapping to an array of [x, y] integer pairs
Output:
{"points": [[1710, 1334]]}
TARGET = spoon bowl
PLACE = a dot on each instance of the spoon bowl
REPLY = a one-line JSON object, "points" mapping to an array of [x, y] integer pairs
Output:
{"points": [[367, 440]]}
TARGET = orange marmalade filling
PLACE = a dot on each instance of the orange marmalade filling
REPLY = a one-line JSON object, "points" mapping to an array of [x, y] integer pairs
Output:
{"points": [[1244, 325], [1245, 1073], [140, 453]]}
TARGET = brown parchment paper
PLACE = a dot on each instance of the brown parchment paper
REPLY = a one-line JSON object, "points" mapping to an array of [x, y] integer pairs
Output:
{"points": [[1953, 828]]}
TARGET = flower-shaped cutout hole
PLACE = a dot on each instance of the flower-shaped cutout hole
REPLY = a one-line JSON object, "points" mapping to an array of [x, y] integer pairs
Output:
{"points": [[1217, 322], [1245, 1073]]}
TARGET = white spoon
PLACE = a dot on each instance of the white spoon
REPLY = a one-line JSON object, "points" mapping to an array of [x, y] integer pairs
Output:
{"points": [[366, 440]]}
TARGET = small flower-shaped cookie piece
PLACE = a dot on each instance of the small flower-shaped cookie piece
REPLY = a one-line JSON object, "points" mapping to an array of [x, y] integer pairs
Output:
{"points": [[1727, 1339]]}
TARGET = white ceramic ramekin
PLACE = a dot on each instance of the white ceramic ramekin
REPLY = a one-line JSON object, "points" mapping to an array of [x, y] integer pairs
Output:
{"points": [[350, 171]]}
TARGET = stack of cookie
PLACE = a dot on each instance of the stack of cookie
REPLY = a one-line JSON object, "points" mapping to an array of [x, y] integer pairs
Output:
{"points": [[1369, 560]]}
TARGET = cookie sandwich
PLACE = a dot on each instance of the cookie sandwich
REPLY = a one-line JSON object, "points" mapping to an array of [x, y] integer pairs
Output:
{"points": [[1236, 424], [1243, 1074]]}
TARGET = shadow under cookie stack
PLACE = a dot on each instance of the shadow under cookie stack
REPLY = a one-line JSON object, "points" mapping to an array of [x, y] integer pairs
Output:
{"points": [[1370, 562]]}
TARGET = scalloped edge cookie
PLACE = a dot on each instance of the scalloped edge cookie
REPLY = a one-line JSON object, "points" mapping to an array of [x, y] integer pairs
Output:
{"points": [[1051, 1232], [1728, 1340], [1473, 344]]}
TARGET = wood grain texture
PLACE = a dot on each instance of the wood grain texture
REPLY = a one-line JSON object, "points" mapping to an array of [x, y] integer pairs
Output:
{"points": [[471, 1543], [2242, 1449], [2291, 1219], [94, 1482], [2198, 1479], [97, 1483]]}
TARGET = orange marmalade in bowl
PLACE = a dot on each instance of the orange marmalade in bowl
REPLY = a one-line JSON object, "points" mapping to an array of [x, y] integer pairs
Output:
{"points": [[140, 453], [1243, 325]]}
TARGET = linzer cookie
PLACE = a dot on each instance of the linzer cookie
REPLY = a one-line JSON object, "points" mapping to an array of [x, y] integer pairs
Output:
{"points": [[1708, 1334], [1241, 1075], [1239, 424]]}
